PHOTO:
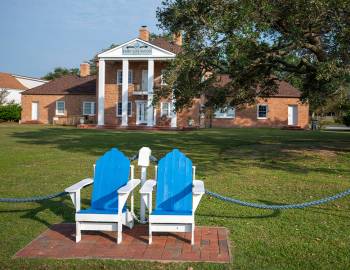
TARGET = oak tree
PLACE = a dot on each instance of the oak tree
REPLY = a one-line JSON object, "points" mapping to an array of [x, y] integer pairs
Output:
{"points": [[257, 43]]}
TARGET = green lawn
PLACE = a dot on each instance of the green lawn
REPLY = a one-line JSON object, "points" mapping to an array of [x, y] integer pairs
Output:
{"points": [[259, 165]]}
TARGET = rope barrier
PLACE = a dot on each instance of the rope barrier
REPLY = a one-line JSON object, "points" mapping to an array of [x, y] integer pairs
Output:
{"points": [[279, 206], [33, 199], [210, 193], [152, 158]]}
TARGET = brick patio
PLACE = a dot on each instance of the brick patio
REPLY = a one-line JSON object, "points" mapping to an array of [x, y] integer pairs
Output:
{"points": [[211, 245]]}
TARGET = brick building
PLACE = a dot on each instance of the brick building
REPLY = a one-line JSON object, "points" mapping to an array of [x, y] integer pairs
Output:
{"points": [[122, 93], [61, 101]]}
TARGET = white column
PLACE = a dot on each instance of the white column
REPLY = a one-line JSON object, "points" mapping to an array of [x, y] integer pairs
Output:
{"points": [[101, 93], [173, 122], [125, 87], [150, 109]]}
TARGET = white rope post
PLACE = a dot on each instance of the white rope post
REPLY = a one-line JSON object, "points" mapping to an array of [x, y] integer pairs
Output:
{"points": [[143, 162]]}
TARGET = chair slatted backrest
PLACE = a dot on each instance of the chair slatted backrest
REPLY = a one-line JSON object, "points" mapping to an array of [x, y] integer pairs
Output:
{"points": [[111, 173], [174, 182]]}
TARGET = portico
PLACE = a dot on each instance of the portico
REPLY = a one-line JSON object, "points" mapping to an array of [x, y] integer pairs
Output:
{"points": [[128, 74]]}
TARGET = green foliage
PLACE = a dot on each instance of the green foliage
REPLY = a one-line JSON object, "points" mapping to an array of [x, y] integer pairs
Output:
{"points": [[3, 94], [10, 112], [59, 72], [346, 119], [257, 42], [338, 103]]}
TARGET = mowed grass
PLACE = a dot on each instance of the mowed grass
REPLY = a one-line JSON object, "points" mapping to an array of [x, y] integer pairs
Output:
{"points": [[259, 165]]}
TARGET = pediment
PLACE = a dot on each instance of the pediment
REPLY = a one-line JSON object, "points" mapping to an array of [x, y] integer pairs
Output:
{"points": [[136, 48]]}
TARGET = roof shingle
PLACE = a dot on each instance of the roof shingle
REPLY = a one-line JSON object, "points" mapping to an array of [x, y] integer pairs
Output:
{"points": [[285, 89], [166, 45], [66, 85], [7, 81]]}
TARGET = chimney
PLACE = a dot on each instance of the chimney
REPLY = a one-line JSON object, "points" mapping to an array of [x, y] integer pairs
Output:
{"points": [[144, 33], [84, 69], [177, 38]]}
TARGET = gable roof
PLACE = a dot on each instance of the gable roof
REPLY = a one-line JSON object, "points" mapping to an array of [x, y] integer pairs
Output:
{"points": [[66, 85], [166, 45], [29, 78], [157, 52], [7, 81], [285, 89]]}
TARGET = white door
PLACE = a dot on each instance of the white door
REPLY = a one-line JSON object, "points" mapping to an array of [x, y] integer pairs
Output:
{"points": [[292, 115], [141, 112], [144, 81], [35, 111]]}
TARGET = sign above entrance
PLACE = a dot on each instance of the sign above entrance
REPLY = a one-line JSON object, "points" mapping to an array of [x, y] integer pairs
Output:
{"points": [[137, 48]]}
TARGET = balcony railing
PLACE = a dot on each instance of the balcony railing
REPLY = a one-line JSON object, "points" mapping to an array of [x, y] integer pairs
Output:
{"points": [[138, 90]]}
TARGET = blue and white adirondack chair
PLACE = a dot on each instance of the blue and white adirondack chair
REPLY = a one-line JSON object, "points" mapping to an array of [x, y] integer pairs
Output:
{"points": [[177, 197], [111, 189]]}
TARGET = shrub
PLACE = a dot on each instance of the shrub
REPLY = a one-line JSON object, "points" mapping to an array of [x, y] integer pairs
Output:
{"points": [[346, 119], [10, 112]]}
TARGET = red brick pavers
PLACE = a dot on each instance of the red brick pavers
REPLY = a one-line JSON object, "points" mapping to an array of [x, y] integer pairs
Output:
{"points": [[211, 245]]}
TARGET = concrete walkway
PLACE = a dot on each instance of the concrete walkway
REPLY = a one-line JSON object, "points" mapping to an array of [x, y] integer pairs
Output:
{"points": [[336, 128]]}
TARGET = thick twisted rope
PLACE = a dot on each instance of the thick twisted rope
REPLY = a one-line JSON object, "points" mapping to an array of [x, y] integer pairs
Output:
{"points": [[152, 158], [210, 193], [33, 199], [279, 206]]}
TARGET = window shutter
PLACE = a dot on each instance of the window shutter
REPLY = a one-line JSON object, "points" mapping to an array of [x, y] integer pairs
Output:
{"points": [[131, 76], [129, 109], [119, 109], [119, 77]]}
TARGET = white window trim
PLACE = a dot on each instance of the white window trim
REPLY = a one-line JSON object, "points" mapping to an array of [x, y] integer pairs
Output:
{"points": [[93, 108], [225, 116], [169, 109], [117, 105], [257, 111], [64, 107], [120, 71]]}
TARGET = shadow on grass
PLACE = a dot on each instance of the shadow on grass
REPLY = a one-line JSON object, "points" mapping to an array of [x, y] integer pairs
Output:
{"points": [[58, 207], [211, 150]]}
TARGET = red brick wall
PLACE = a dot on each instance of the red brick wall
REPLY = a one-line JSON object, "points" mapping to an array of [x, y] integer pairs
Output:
{"points": [[192, 113], [247, 117], [47, 106], [277, 115], [113, 92]]}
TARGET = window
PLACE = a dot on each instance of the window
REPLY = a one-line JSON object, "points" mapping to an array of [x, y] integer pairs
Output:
{"points": [[120, 76], [165, 109], [120, 109], [162, 79], [89, 108], [262, 111], [60, 107], [227, 112]]}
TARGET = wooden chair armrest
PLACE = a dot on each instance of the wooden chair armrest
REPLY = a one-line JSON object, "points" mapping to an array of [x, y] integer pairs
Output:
{"points": [[131, 185], [148, 186], [78, 186]]}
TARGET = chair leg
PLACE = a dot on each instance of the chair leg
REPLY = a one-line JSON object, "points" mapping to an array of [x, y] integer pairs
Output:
{"points": [[150, 234], [77, 232], [192, 235], [120, 232]]}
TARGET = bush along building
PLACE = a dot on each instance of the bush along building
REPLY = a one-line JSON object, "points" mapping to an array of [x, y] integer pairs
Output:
{"points": [[121, 95]]}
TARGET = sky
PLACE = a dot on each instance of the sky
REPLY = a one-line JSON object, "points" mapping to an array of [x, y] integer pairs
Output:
{"points": [[39, 35]]}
